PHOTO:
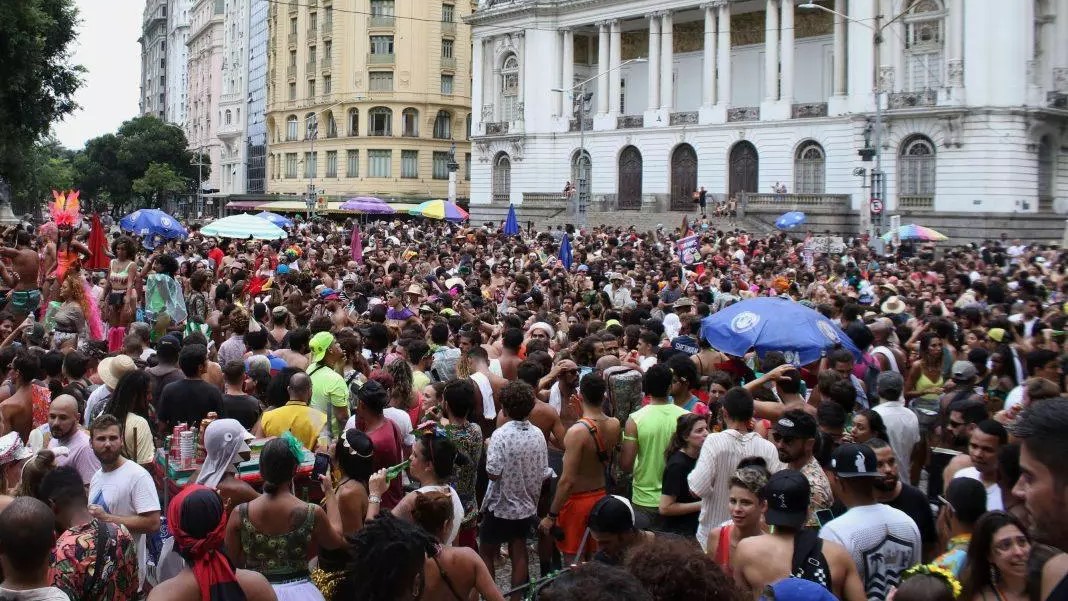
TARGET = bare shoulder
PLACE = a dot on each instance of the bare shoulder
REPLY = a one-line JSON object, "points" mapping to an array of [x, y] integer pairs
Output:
{"points": [[255, 586]]}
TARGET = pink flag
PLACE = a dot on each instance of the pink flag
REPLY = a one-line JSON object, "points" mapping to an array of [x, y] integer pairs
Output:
{"points": [[356, 245]]}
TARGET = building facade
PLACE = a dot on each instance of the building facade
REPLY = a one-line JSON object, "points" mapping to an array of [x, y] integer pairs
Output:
{"points": [[233, 103], [154, 59], [368, 102], [742, 96], [177, 90], [256, 120], [205, 85]]}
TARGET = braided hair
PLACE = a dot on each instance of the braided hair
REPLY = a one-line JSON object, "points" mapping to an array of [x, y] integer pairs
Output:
{"points": [[387, 558]]}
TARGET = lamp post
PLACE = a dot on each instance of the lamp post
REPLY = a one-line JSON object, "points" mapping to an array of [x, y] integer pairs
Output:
{"points": [[314, 133], [581, 99], [878, 179]]}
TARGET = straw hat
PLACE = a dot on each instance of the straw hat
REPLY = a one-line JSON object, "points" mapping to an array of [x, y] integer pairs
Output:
{"points": [[112, 369], [893, 306]]}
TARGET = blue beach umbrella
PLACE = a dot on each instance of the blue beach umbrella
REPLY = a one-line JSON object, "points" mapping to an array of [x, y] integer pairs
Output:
{"points": [[511, 224], [275, 218], [152, 222], [790, 220]]}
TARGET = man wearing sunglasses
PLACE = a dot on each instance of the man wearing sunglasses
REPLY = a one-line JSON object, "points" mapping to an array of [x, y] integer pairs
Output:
{"points": [[794, 435]]}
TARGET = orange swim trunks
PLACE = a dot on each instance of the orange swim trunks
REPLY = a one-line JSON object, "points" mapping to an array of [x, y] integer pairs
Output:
{"points": [[573, 517]]}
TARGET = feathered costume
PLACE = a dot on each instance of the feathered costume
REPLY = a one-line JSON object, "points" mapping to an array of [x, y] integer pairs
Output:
{"points": [[68, 262]]}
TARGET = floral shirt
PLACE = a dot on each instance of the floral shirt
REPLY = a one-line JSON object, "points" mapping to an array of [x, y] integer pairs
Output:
{"points": [[469, 441], [821, 496], [74, 559], [518, 457]]}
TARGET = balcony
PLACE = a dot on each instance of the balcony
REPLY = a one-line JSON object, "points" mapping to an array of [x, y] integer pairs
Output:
{"points": [[291, 72], [629, 122], [380, 58], [309, 69], [686, 118], [743, 113], [915, 202], [587, 124], [907, 100], [291, 39], [326, 64], [327, 29], [448, 62], [312, 33], [809, 110], [448, 28], [838, 202], [381, 22], [496, 128]]}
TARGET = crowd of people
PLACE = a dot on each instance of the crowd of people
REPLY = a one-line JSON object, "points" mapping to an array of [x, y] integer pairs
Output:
{"points": [[474, 403]]}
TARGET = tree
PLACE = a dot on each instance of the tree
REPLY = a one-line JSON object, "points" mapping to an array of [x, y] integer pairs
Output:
{"points": [[49, 166], [158, 181], [38, 81]]}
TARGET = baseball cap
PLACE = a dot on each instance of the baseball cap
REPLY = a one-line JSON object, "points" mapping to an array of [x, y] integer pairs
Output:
{"points": [[170, 343], [796, 427], [683, 302], [963, 371], [854, 461], [613, 514], [319, 344], [796, 589], [889, 385], [787, 493], [996, 334]]}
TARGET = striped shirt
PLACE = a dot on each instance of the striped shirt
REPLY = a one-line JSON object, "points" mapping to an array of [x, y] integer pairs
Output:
{"points": [[718, 460]]}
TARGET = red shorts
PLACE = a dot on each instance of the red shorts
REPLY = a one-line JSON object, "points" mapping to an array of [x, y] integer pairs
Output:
{"points": [[573, 517]]}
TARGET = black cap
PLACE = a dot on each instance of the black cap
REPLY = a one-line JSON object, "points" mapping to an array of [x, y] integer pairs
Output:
{"points": [[613, 514], [796, 426], [854, 461], [787, 493]]}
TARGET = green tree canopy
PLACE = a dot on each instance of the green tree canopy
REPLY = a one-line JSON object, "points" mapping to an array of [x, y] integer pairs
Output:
{"points": [[158, 181]]}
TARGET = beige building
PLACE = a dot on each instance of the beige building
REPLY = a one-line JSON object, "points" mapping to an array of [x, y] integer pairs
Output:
{"points": [[368, 97]]}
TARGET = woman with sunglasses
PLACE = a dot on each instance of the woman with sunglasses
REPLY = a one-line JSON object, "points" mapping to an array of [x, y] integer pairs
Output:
{"points": [[997, 560]]}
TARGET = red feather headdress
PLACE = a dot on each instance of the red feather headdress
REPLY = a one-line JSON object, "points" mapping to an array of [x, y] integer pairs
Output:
{"points": [[65, 207]]}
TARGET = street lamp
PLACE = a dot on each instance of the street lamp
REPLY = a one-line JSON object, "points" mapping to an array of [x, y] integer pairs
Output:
{"points": [[878, 180], [581, 99], [310, 170]]}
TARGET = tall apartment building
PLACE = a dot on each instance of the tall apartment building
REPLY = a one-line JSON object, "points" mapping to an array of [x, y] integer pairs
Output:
{"points": [[177, 88], [256, 120], [205, 84], [233, 104], [154, 59], [368, 101]]}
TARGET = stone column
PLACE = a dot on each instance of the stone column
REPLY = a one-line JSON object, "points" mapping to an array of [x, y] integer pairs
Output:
{"points": [[955, 63], [568, 76], [723, 60], [521, 50], [708, 70], [602, 68], [478, 83], [840, 48], [654, 62], [615, 84], [558, 73], [786, 93], [667, 69], [1060, 50], [771, 52]]}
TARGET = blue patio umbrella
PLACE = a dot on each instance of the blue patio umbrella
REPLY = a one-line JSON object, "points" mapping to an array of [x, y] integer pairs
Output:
{"points": [[565, 252], [511, 224], [148, 223], [275, 218], [790, 220], [774, 324]]}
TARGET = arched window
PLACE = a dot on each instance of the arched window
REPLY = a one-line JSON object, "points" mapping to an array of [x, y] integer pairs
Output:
{"points": [[510, 88], [443, 125], [228, 118], [581, 171], [354, 122], [809, 165], [291, 128], [925, 36], [1047, 157], [331, 125], [410, 123], [380, 121], [311, 126], [502, 178], [916, 173]]}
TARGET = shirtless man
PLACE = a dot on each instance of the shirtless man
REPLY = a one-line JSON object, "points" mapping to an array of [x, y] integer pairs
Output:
{"points": [[765, 559], [509, 359], [588, 446], [562, 386], [23, 277], [16, 412]]}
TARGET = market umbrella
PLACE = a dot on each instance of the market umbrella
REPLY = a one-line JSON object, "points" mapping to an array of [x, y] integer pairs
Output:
{"points": [[356, 245], [774, 324], [439, 209], [98, 245], [511, 224], [369, 205], [566, 257], [243, 226], [912, 231], [152, 222], [790, 220], [279, 220]]}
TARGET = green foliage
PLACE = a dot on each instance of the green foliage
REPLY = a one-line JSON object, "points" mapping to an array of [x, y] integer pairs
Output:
{"points": [[158, 181], [38, 81], [48, 166]]}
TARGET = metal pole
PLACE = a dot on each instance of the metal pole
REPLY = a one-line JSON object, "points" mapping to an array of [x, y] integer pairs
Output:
{"points": [[200, 179], [583, 183], [309, 167], [879, 179]]}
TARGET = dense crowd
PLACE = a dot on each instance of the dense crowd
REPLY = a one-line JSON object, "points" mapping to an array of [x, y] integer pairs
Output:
{"points": [[424, 414]]}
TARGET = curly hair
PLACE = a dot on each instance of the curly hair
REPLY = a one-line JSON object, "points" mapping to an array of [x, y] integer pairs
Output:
{"points": [[126, 243], [386, 562], [402, 383], [432, 510], [673, 569], [596, 581]]}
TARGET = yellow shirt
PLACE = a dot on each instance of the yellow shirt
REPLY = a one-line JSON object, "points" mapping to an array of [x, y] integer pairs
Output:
{"points": [[306, 423]]}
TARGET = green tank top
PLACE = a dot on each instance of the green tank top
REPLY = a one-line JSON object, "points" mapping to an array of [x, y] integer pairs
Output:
{"points": [[656, 425], [279, 557]]}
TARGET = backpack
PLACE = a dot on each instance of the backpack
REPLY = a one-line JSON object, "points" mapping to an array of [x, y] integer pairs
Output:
{"points": [[871, 378], [624, 392]]}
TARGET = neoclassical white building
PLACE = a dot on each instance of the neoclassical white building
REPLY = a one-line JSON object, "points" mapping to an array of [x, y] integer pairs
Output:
{"points": [[234, 103], [739, 95]]}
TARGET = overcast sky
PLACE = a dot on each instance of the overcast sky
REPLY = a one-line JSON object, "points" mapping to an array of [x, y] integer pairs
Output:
{"points": [[107, 47]]}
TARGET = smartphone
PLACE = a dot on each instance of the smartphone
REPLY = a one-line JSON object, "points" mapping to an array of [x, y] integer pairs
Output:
{"points": [[823, 516], [322, 465]]}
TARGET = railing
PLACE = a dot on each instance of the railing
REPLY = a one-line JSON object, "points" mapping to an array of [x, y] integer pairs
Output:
{"points": [[743, 113], [629, 121], [292, 39], [291, 72], [809, 110], [327, 29], [380, 21], [501, 197], [448, 27], [380, 58], [448, 62], [686, 118], [309, 68], [904, 100], [543, 198], [496, 128], [1057, 100], [325, 64], [312, 33], [587, 124], [915, 202], [779, 201]]}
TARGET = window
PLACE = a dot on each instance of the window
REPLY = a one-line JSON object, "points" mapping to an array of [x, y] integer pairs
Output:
{"points": [[441, 165], [291, 128], [328, 51], [410, 164], [228, 118], [311, 126], [292, 90], [379, 163], [310, 160], [291, 165], [917, 169], [313, 22], [382, 8], [502, 178], [510, 88], [381, 81], [381, 44], [809, 169], [467, 166], [354, 122], [1046, 162], [446, 48], [380, 121], [293, 59], [410, 123], [311, 88], [446, 85], [468, 126], [293, 26], [924, 40], [328, 85], [311, 57], [331, 163], [352, 163], [331, 125], [443, 126], [448, 13]]}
